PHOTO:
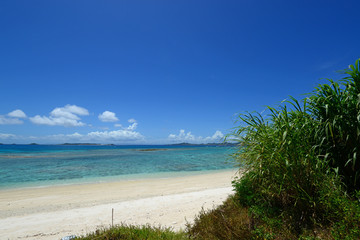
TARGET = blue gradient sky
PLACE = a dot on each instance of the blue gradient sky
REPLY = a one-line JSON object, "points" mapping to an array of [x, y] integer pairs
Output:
{"points": [[132, 72]]}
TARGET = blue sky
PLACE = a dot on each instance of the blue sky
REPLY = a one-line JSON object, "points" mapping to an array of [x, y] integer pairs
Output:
{"points": [[153, 72]]}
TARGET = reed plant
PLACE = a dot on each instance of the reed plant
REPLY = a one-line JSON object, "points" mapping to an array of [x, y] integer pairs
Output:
{"points": [[279, 153], [337, 107], [301, 160]]}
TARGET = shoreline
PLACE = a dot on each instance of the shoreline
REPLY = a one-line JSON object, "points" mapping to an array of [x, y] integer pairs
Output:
{"points": [[57, 211], [109, 179]]}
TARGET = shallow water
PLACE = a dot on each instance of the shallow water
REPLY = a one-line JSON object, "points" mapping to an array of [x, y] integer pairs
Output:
{"points": [[44, 165]]}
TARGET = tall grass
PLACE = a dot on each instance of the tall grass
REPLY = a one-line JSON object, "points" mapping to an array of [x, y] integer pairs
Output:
{"points": [[301, 156], [337, 107], [280, 155]]}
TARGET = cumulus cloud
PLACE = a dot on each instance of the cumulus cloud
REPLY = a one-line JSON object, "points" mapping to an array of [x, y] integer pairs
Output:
{"points": [[7, 120], [67, 116], [115, 136], [108, 116], [123, 135], [182, 136], [133, 125], [188, 137], [17, 114], [218, 135], [12, 117]]}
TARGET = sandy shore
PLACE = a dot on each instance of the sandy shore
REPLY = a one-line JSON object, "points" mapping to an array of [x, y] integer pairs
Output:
{"points": [[55, 212]]}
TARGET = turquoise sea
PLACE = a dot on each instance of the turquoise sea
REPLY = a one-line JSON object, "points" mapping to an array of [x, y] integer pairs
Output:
{"points": [[46, 165]]}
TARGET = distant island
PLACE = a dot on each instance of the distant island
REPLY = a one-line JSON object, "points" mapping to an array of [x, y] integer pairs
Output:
{"points": [[225, 144], [85, 144]]}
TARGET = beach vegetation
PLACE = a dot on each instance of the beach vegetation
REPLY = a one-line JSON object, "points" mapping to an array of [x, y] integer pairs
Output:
{"points": [[228, 221], [300, 170], [336, 106], [302, 167], [135, 232]]}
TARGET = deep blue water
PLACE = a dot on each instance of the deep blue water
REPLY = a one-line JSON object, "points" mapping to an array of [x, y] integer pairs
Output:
{"points": [[43, 165]]}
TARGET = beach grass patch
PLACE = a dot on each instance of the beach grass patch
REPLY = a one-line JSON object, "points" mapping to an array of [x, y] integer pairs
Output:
{"points": [[228, 221], [134, 232]]}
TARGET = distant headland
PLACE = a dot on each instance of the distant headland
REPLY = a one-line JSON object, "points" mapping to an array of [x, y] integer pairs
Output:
{"points": [[86, 144], [225, 144]]}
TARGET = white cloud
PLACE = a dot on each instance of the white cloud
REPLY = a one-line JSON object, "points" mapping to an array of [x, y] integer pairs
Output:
{"points": [[7, 136], [116, 136], [117, 125], [108, 116], [75, 135], [17, 114], [188, 137], [69, 111], [9, 120], [59, 113], [218, 136], [67, 116], [12, 117], [133, 125], [123, 135], [131, 120], [60, 121], [74, 109], [182, 136]]}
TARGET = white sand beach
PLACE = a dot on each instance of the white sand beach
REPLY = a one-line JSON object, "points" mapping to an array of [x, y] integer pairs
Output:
{"points": [[58, 211]]}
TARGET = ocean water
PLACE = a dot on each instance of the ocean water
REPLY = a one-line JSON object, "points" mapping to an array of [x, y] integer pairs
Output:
{"points": [[46, 165]]}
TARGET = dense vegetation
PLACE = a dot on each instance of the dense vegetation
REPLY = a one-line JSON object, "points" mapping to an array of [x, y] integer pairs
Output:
{"points": [[301, 176], [302, 167]]}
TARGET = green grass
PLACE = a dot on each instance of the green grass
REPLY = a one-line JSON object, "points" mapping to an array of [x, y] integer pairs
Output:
{"points": [[228, 221], [132, 232]]}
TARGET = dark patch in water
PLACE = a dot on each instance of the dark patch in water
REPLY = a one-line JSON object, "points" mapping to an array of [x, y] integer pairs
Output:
{"points": [[152, 149]]}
